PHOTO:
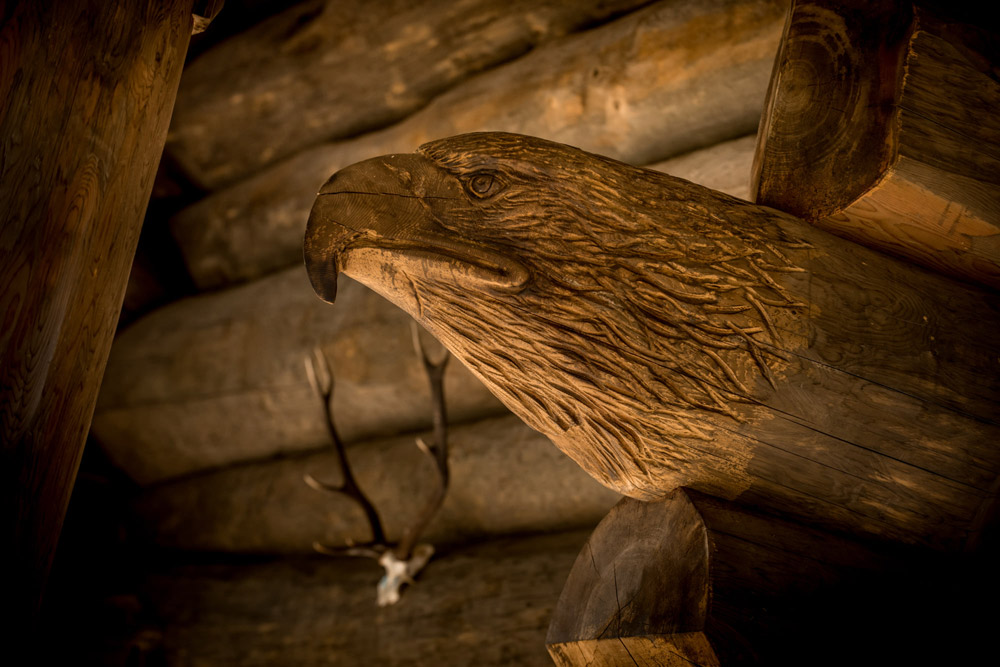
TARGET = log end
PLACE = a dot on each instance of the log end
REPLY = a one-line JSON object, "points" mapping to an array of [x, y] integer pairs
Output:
{"points": [[641, 581], [827, 132]]}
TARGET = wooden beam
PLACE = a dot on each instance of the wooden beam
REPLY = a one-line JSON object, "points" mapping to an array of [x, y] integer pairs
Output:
{"points": [[641, 589], [328, 69], [86, 90], [691, 580], [881, 127], [668, 79]]}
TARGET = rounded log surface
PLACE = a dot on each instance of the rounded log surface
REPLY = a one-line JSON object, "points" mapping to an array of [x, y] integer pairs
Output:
{"points": [[505, 479], [324, 70], [221, 378], [486, 604]]}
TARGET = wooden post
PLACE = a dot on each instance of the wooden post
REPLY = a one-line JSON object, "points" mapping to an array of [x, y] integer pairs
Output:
{"points": [[86, 92], [881, 126], [692, 580]]}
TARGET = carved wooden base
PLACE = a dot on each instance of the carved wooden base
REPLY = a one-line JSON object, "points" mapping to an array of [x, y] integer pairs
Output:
{"points": [[666, 335]]}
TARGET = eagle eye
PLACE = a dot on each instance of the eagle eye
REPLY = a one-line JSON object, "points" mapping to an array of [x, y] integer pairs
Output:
{"points": [[482, 184]]}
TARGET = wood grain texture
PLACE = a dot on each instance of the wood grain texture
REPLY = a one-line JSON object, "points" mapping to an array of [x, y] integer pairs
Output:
{"points": [[664, 335], [487, 604], [669, 79], [325, 70], [644, 572], [692, 580], [220, 378], [505, 479], [86, 90], [680, 650], [880, 127]]}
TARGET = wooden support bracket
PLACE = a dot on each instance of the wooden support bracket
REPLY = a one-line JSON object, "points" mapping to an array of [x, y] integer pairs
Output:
{"points": [[664, 335]]}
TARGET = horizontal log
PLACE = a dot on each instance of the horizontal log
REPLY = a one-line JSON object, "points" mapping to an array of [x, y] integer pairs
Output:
{"points": [[671, 78], [882, 128], [724, 167], [487, 604], [505, 479], [324, 70], [219, 378], [664, 335], [691, 580]]}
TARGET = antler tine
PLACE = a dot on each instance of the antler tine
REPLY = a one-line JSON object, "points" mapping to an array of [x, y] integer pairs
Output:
{"points": [[421, 349], [435, 375], [321, 376], [314, 483], [438, 450]]}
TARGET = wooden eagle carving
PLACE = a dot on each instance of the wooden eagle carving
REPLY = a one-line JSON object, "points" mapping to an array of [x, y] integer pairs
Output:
{"points": [[664, 335]]}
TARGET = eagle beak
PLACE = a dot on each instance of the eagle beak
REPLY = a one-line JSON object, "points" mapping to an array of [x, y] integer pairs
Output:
{"points": [[378, 202], [383, 222]]}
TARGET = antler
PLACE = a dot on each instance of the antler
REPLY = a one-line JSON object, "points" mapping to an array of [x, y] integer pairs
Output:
{"points": [[405, 559], [438, 451], [321, 378]]}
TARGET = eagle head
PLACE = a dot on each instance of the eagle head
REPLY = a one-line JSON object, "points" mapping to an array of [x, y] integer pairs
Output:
{"points": [[604, 304]]}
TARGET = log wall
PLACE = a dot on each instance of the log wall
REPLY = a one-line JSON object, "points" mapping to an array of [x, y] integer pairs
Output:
{"points": [[671, 78], [220, 378], [724, 167], [325, 70], [505, 479], [212, 389]]}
